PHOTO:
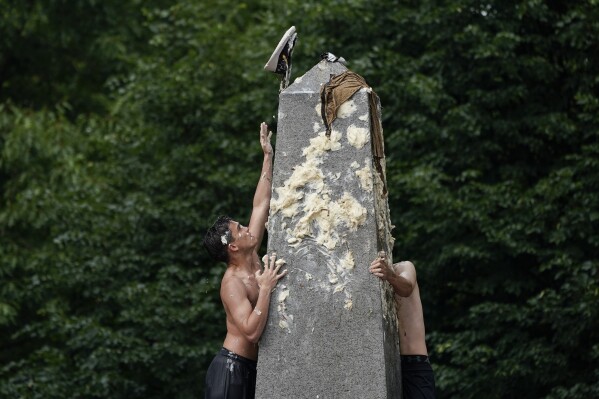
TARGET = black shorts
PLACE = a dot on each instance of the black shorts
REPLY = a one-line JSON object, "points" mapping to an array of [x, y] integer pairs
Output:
{"points": [[230, 376], [417, 378]]}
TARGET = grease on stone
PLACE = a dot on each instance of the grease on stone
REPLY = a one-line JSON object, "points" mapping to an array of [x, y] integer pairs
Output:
{"points": [[306, 193], [284, 317], [365, 178], [357, 136], [346, 109], [314, 210]]}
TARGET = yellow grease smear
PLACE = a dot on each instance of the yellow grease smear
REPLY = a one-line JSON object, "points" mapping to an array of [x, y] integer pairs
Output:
{"points": [[283, 295], [348, 304], [357, 136], [346, 109], [348, 261], [365, 178], [306, 193]]}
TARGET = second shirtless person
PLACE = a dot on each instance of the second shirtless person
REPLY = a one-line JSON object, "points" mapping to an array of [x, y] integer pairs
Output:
{"points": [[418, 381]]}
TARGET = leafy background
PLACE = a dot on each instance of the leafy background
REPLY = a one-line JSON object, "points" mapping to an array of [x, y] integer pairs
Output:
{"points": [[126, 127]]}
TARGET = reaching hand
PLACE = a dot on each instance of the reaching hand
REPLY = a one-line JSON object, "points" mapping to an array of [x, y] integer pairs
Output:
{"points": [[380, 268], [265, 138], [268, 278]]}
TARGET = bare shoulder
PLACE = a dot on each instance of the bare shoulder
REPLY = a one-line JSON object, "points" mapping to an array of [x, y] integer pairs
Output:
{"points": [[230, 285], [404, 266], [406, 270]]}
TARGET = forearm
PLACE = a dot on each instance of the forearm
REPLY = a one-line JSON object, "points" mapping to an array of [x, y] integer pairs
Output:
{"points": [[257, 319], [264, 186], [261, 203]]}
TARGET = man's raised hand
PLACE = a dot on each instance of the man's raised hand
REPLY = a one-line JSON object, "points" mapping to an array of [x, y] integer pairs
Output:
{"points": [[265, 138]]}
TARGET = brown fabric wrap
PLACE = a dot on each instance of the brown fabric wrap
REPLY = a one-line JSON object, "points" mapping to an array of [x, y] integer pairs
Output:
{"points": [[338, 90]]}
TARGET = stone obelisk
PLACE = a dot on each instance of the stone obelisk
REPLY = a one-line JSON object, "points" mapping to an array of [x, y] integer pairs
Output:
{"points": [[332, 328]]}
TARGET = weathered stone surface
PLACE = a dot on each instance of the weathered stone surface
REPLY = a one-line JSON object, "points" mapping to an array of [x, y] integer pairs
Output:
{"points": [[331, 331]]}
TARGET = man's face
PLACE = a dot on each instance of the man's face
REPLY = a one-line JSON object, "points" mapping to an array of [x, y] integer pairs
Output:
{"points": [[241, 235]]}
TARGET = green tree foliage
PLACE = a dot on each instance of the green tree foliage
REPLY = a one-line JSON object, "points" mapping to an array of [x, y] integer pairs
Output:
{"points": [[127, 127], [68, 51], [493, 165]]}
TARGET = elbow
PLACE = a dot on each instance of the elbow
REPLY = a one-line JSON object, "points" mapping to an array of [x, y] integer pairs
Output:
{"points": [[405, 290], [253, 338]]}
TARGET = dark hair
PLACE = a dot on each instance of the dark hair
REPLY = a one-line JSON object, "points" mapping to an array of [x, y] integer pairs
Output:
{"points": [[217, 238]]}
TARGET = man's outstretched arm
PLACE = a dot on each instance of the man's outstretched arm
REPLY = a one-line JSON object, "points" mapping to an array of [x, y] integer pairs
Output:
{"points": [[401, 276], [263, 189]]}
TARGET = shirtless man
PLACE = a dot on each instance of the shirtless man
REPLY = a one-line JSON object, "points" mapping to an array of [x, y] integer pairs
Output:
{"points": [[418, 381], [245, 290]]}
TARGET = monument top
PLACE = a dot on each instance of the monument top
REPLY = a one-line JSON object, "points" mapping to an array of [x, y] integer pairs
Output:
{"points": [[311, 81]]}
